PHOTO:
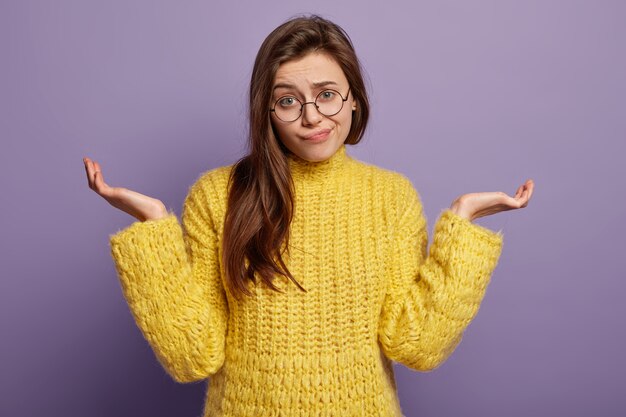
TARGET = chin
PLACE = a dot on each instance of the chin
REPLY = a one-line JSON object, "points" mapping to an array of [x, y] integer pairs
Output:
{"points": [[321, 153]]}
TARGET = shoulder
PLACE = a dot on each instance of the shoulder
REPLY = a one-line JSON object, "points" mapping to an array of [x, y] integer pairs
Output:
{"points": [[209, 192], [396, 192], [213, 181], [393, 183]]}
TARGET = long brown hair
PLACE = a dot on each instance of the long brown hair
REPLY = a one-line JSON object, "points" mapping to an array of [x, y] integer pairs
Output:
{"points": [[260, 200]]}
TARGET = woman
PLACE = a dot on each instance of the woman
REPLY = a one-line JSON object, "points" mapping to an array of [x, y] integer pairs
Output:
{"points": [[299, 273]]}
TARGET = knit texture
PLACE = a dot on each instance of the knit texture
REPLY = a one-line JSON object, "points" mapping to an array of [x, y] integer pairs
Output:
{"points": [[358, 244]]}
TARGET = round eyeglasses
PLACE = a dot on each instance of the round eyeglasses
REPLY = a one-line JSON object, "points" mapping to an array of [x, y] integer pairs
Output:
{"points": [[328, 103]]}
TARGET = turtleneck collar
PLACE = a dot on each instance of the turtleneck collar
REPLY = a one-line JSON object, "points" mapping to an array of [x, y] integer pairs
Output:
{"points": [[301, 168]]}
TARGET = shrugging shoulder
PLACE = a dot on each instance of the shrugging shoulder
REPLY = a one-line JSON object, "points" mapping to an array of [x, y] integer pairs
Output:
{"points": [[432, 298], [170, 277]]}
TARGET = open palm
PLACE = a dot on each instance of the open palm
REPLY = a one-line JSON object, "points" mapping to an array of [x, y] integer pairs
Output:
{"points": [[137, 205], [475, 205]]}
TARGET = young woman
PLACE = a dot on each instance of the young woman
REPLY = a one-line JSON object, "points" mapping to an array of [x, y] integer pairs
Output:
{"points": [[299, 273]]}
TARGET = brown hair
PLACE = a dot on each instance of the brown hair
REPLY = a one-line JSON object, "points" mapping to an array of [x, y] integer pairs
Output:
{"points": [[260, 201]]}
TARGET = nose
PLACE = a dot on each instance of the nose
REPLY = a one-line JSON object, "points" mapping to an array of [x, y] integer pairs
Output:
{"points": [[310, 114]]}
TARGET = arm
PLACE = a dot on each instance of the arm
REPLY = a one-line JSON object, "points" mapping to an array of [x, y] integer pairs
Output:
{"points": [[171, 281], [431, 300]]}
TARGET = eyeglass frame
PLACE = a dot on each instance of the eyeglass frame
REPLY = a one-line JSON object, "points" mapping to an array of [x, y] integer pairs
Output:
{"points": [[343, 100]]}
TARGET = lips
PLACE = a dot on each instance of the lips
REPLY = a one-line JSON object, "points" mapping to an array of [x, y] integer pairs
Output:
{"points": [[317, 134]]}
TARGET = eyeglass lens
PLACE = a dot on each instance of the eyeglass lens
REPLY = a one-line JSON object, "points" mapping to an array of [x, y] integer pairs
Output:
{"points": [[289, 108]]}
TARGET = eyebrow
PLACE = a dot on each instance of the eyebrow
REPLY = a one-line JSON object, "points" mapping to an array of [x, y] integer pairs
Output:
{"points": [[316, 85]]}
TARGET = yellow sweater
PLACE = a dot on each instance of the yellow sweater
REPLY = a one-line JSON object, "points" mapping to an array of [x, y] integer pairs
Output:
{"points": [[359, 246]]}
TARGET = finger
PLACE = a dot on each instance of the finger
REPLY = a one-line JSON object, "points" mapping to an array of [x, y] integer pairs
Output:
{"points": [[90, 173], [530, 189], [87, 171], [519, 191], [101, 187], [525, 197], [98, 179], [93, 172], [525, 192]]}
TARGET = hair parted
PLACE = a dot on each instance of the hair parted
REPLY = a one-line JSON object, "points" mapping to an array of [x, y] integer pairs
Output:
{"points": [[260, 200]]}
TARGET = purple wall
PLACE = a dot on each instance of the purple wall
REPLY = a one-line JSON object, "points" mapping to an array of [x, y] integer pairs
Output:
{"points": [[466, 96]]}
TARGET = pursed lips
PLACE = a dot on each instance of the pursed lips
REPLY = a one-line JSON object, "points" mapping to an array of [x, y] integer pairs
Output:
{"points": [[317, 133]]}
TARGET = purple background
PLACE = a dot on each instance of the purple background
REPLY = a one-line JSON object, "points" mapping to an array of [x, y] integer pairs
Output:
{"points": [[466, 96]]}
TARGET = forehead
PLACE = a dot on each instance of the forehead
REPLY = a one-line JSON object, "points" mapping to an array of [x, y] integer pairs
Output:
{"points": [[312, 68]]}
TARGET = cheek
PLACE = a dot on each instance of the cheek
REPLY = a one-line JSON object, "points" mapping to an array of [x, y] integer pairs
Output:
{"points": [[346, 117], [346, 123], [281, 131]]}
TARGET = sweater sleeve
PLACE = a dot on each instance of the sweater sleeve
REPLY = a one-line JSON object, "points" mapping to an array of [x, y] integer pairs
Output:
{"points": [[430, 300], [170, 278]]}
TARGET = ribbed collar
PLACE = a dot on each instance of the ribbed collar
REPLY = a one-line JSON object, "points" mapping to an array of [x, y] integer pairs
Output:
{"points": [[301, 168]]}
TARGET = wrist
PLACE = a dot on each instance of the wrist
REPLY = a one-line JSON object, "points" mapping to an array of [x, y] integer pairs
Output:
{"points": [[159, 213], [461, 210]]}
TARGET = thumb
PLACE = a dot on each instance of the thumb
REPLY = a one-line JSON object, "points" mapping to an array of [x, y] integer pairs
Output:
{"points": [[98, 181]]}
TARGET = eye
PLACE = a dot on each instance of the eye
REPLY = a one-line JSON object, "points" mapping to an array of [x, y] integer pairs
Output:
{"points": [[287, 101], [327, 95]]}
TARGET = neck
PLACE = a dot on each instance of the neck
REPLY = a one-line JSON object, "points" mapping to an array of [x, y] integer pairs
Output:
{"points": [[301, 168]]}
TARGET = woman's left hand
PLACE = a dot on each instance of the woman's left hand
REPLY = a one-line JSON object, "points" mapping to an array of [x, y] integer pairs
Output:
{"points": [[474, 205]]}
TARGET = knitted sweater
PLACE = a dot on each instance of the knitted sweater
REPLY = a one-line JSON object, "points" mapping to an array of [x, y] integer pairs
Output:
{"points": [[358, 245]]}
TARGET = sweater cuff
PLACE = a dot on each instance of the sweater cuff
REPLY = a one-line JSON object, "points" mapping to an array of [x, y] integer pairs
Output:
{"points": [[481, 238], [472, 250], [477, 230], [143, 230], [151, 246]]}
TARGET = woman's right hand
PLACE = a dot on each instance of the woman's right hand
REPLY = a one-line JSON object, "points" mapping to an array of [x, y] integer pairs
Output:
{"points": [[137, 205]]}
